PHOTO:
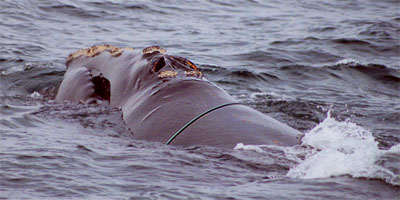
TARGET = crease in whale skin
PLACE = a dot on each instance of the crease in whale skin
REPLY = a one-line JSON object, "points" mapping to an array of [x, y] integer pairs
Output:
{"points": [[159, 93]]}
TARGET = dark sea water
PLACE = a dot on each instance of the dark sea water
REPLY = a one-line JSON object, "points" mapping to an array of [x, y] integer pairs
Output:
{"points": [[330, 69]]}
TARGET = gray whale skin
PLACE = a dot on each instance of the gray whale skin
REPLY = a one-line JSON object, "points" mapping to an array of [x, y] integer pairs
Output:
{"points": [[159, 93]]}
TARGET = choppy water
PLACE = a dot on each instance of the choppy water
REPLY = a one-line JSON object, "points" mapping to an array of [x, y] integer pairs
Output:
{"points": [[330, 69]]}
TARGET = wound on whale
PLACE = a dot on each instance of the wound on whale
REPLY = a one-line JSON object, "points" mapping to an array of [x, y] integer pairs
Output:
{"points": [[167, 99]]}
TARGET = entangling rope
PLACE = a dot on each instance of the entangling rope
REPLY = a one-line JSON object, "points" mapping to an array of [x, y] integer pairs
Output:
{"points": [[198, 117]]}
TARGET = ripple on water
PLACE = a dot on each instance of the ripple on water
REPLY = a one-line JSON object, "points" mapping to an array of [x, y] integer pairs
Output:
{"points": [[278, 57]]}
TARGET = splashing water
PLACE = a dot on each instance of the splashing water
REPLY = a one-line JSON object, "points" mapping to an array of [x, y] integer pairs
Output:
{"points": [[342, 148], [335, 148]]}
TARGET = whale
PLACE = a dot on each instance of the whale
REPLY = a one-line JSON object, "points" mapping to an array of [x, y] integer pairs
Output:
{"points": [[167, 99]]}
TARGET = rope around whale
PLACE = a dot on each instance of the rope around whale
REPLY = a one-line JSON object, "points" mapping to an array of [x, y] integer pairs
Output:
{"points": [[198, 117]]}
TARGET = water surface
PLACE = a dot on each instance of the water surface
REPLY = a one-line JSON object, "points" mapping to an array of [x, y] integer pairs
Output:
{"points": [[329, 69]]}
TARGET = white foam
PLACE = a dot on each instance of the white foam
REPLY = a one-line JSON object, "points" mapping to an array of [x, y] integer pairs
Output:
{"points": [[27, 66], [335, 148], [12, 70], [342, 148], [348, 61], [36, 95], [394, 149], [263, 95], [241, 146]]}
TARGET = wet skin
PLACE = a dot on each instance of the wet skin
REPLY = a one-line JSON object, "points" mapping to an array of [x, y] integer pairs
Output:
{"points": [[159, 93]]}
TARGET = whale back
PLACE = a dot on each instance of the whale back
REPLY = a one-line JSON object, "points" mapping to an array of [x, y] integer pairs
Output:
{"points": [[159, 94]]}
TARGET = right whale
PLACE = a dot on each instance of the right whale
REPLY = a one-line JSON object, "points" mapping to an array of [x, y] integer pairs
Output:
{"points": [[166, 98]]}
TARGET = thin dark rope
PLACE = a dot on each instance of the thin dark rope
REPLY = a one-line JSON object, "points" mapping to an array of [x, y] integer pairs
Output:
{"points": [[196, 118]]}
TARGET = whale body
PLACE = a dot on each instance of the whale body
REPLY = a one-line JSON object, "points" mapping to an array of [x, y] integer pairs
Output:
{"points": [[160, 93]]}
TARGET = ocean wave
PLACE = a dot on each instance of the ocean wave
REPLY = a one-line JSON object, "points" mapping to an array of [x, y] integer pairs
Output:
{"points": [[373, 77], [73, 10], [30, 77], [380, 73]]}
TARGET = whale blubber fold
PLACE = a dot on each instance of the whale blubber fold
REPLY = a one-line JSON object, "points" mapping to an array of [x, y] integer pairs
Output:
{"points": [[185, 62], [160, 63]]}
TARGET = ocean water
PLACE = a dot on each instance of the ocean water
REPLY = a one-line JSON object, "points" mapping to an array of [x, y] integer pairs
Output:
{"points": [[330, 69]]}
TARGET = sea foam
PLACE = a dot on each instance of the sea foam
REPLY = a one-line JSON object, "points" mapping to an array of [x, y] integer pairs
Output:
{"points": [[337, 148]]}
